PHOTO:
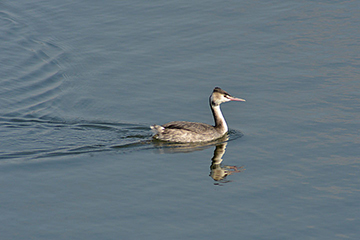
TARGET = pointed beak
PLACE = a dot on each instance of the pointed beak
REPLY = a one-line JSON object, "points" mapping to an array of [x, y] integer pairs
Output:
{"points": [[236, 99]]}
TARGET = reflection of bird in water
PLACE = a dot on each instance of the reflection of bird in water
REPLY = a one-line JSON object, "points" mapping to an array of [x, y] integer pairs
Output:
{"points": [[173, 147], [218, 172], [180, 131]]}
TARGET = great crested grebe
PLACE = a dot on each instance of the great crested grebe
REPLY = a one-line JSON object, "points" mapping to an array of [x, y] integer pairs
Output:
{"points": [[187, 132]]}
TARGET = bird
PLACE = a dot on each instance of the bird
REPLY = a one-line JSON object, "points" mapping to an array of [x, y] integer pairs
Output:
{"points": [[194, 132]]}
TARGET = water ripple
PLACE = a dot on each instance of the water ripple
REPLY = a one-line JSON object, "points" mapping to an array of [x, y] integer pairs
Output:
{"points": [[46, 138], [31, 82], [31, 76], [49, 138]]}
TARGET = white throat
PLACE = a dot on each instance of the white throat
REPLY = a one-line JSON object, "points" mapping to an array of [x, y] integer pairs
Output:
{"points": [[220, 122]]}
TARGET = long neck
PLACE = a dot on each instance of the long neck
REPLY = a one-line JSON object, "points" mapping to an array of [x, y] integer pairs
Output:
{"points": [[220, 123]]}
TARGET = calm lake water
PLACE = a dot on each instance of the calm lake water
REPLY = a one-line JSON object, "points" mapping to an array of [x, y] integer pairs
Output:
{"points": [[82, 81]]}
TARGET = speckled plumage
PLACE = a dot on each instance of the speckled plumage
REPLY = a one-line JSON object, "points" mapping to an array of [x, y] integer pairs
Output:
{"points": [[181, 131]]}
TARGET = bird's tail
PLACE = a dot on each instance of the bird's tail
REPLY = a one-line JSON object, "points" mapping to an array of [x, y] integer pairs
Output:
{"points": [[157, 128]]}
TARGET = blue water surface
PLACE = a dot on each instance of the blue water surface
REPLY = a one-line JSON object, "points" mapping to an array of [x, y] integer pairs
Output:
{"points": [[82, 81]]}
